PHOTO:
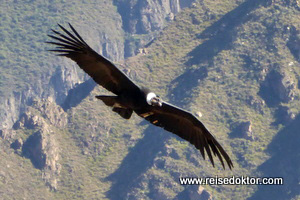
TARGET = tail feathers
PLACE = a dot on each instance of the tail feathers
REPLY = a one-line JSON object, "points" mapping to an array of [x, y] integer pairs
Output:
{"points": [[124, 112], [112, 101], [108, 100]]}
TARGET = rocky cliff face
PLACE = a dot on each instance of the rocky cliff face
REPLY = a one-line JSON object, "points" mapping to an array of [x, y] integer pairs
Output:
{"points": [[64, 79], [278, 88], [44, 118], [146, 17], [11, 106]]}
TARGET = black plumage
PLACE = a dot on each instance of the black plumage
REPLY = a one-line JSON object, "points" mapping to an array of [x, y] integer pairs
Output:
{"points": [[131, 98]]}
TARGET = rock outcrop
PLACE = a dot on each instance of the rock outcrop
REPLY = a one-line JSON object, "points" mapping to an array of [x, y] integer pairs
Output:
{"points": [[293, 42], [12, 106], [278, 88], [284, 115], [44, 118], [243, 130], [148, 15]]}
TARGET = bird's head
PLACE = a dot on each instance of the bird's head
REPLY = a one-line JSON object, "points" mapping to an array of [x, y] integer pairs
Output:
{"points": [[153, 100]]}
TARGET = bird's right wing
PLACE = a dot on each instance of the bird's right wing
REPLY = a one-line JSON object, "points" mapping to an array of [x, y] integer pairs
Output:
{"points": [[100, 69], [186, 126]]}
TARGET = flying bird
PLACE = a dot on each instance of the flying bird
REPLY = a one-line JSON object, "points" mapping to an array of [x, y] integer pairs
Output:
{"points": [[130, 98]]}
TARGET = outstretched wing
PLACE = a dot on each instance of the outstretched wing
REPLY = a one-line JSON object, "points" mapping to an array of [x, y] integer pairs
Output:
{"points": [[188, 127], [100, 69]]}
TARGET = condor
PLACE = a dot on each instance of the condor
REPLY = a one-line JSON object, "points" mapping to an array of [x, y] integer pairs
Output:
{"points": [[130, 98]]}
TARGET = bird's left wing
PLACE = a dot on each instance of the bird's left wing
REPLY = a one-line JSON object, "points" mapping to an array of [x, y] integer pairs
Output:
{"points": [[186, 126], [105, 73]]}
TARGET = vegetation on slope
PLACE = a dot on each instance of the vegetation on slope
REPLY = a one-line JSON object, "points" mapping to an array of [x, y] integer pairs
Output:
{"points": [[24, 28]]}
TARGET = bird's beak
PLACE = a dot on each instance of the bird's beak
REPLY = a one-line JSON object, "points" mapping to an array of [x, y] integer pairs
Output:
{"points": [[155, 101]]}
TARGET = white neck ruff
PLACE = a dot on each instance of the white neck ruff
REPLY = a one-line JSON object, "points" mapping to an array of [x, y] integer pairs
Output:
{"points": [[149, 97]]}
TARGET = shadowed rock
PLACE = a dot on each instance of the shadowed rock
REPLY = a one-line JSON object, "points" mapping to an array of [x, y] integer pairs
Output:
{"points": [[277, 88]]}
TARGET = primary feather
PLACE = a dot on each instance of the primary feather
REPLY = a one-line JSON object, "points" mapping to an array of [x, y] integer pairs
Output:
{"points": [[100, 69]]}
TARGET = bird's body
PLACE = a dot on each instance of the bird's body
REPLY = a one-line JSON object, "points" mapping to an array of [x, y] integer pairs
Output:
{"points": [[130, 98]]}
